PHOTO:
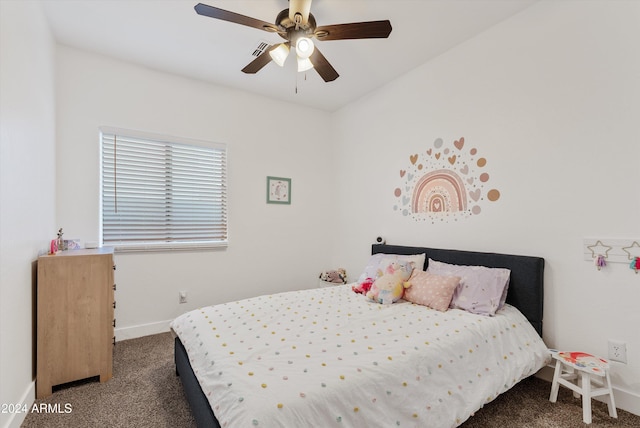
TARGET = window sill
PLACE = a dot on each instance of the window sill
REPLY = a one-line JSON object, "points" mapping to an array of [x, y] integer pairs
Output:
{"points": [[168, 247]]}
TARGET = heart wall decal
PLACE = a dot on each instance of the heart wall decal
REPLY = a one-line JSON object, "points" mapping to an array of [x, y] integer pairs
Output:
{"points": [[445, 188]]}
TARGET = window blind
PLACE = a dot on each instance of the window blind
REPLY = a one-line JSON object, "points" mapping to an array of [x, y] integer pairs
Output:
{"points": [[162, 194]]}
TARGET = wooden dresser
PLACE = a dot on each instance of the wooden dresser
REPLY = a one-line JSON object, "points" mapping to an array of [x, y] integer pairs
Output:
{"points": [[75, 323]]}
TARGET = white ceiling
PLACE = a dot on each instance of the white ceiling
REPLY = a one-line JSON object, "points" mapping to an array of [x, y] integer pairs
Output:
{"points": [[168, 35]]}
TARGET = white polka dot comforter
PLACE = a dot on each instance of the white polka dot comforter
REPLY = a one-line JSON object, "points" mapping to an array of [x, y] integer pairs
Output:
{"points": [[328, 357]]}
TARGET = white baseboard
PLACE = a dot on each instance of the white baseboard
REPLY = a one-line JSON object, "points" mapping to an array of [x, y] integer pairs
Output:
{"points": [[625, 400], [28, 397], [141, 330]]}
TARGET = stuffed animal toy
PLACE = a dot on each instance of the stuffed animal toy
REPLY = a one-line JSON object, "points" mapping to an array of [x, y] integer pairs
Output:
{"points": [[342, 273], [363, 287], [389, 288], [338, 276]]}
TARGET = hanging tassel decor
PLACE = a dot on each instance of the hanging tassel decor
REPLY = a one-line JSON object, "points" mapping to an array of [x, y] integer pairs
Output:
{"points": [[635, 264], [600, 261]]}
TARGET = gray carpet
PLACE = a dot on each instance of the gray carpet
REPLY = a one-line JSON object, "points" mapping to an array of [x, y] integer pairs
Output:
{"points": [[145, 392]]}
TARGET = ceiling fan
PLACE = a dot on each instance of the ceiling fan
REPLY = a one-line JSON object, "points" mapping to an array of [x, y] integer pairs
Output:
{"points": [[298, 27]]}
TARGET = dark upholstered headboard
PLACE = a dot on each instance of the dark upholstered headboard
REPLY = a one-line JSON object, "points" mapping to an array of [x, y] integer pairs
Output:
{"points": [[526, 284]]}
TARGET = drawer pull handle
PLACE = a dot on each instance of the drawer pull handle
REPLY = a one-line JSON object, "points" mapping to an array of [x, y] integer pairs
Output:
{"points": [[114, 323], [114, 305], [114, 287]]}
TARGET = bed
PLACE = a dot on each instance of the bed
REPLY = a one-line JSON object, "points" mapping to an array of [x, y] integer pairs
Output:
{"points": [[330, 357]]}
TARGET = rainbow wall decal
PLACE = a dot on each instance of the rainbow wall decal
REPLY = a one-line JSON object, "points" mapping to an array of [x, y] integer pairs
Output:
{"points": [[444, 182]]}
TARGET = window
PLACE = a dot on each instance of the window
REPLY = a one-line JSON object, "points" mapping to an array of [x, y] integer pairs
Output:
{"points": [[161, 193]]}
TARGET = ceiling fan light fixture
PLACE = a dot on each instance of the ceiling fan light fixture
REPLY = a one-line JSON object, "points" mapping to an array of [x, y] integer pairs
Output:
{"points": [[304, 64], [304, 47], [279, 54], [297, 26]]}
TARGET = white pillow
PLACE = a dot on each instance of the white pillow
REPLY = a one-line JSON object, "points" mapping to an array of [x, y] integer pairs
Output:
{"points": [[378, 263]]}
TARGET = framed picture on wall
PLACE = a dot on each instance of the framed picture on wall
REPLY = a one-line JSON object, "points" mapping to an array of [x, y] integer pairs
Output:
{"points": [[278, 190]]}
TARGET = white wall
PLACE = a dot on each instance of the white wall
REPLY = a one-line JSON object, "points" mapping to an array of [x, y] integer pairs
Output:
{"points": [[271, 247], [551, 98], [27, 188]]}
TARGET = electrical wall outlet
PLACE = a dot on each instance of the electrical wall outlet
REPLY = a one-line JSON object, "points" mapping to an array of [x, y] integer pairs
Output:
{"points": [[618, 351], [183, 296]]}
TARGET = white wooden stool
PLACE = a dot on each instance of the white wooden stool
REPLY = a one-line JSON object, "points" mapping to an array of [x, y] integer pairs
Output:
{"points": [[591, 370]]}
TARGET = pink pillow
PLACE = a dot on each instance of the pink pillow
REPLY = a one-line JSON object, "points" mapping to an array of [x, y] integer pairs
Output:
{"points": [[428, 289]]}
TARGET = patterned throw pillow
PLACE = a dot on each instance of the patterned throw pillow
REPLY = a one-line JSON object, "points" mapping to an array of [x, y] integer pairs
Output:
{"points": [[428, 289], [482, 290]]}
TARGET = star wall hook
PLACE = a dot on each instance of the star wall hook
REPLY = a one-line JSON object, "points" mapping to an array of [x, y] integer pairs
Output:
{"points": [[633, 250], [599, 249]]}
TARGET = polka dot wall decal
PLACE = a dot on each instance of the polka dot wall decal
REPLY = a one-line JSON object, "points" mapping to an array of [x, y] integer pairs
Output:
{"points": [[446, 182]]}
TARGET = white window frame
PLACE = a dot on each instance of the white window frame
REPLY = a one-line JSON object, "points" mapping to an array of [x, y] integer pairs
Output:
{"points": [[154, 233]]}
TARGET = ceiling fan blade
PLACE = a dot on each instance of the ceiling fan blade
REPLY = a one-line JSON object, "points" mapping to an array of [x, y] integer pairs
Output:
{"points": [[256, 65], [322, 66], [355, 30], [299, 6], [225, 15]]}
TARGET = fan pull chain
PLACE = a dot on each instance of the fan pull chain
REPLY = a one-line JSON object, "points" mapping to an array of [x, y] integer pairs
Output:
{"points": [[305, 79]]}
